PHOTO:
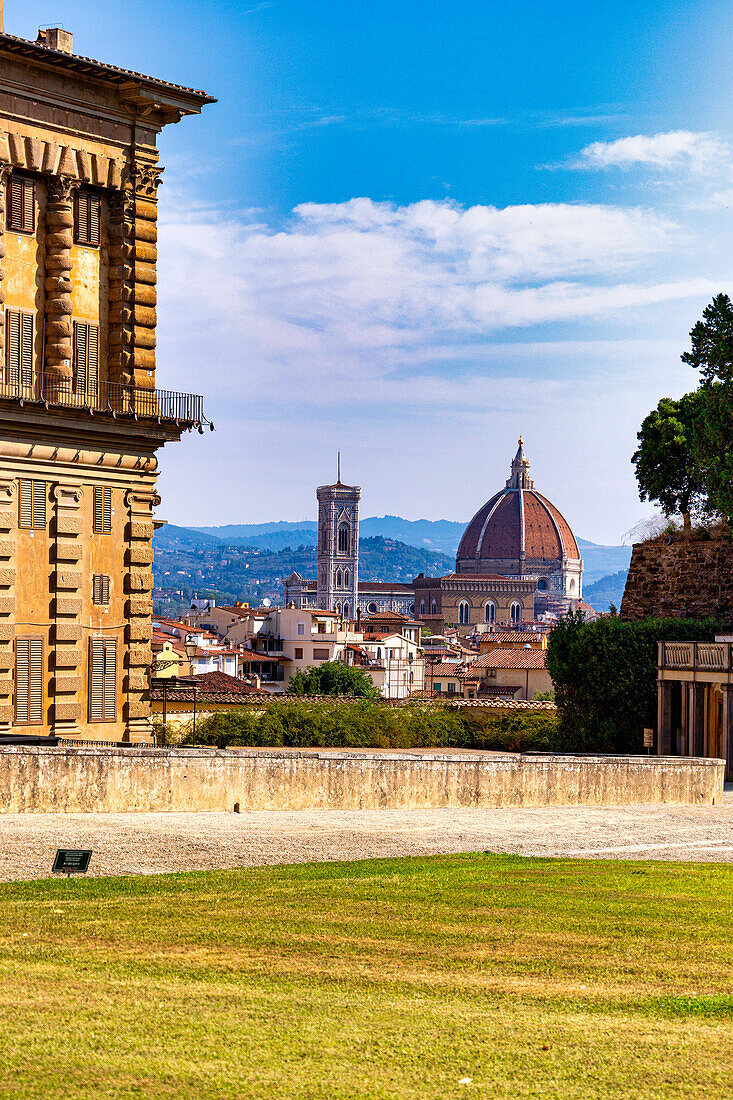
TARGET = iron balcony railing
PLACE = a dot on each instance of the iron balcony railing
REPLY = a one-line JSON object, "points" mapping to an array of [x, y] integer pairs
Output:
{"points": [[110, 399]]}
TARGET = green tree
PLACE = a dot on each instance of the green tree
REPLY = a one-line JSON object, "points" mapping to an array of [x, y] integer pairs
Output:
{"points": [[666, 464], [333, 678], [605, 677], [711, 353]]}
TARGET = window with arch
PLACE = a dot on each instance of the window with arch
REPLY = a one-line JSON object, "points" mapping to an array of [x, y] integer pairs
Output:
{"points": [[490, 612], [345, 611], [371, 608], [422, 607], [433, 608], [463, 612], [379, 653], [343, 538], [515, 613], [572, 584], [339, 579], [346, 578]]}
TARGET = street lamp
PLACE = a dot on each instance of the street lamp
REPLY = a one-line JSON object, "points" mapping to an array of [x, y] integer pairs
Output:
{"points": [[191, 648]]}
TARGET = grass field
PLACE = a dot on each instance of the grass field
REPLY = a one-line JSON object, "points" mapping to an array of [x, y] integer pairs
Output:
{"points": [[394, 978]]}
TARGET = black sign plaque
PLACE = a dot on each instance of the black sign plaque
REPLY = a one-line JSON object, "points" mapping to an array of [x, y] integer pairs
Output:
{"points": [[71, 861]]}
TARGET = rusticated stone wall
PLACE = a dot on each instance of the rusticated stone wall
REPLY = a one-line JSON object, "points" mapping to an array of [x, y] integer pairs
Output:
{"points": [[680, 577], [98, 780]]}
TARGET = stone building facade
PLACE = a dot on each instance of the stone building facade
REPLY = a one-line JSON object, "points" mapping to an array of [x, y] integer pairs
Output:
{"points": [[80, 417], [680, 576], [465, 601]]}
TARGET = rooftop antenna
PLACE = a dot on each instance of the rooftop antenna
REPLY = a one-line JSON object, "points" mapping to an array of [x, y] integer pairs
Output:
{"points": [[339, 452]]}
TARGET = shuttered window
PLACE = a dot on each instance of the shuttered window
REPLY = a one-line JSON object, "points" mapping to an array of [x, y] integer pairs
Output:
{"points": [[29, 681], [22, 204], [18, 349], [100, 589], [32, 504], [86, 358], [88, 217], [102, 679], [102, 510]]}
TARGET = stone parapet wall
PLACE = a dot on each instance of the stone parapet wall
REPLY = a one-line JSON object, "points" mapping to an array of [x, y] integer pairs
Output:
{"points": [[93, 780], [680, 577]]}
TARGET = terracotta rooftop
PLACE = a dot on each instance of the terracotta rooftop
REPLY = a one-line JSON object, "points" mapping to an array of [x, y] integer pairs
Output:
{"points": [[87, 66], [511, 658]]}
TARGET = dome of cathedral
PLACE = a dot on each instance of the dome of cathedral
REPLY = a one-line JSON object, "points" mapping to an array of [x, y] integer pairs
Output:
{"points": [[517, 530]]}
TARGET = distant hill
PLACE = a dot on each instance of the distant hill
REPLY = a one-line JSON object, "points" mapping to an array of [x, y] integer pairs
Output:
{"points": [[606, 591], [441, 535]]}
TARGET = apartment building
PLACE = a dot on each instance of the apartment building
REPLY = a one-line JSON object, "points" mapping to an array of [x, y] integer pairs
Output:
{"points": [[81, 419]]}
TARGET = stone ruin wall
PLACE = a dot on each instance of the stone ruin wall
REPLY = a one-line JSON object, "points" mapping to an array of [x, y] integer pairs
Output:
{"points": [[671, 576]]}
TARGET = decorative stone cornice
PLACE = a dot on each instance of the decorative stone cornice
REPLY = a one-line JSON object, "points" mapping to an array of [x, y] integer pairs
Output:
{"points": [[35, 155], [43, 452]]}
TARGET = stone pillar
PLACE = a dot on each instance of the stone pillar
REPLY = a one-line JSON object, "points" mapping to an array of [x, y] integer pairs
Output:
{"points": [[727, 739], [4, 177], [138, 611], [133, 255], [8, 527], [68, 657], [696, 712], [664, 718], [59, 328]]}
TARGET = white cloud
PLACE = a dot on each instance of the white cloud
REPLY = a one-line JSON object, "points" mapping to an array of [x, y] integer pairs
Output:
{"points": [[364, 289], [674, 149]]}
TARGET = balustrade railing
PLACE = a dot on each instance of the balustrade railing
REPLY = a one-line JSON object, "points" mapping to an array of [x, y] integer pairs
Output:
{"points": [[108, 398], [702, 656]]}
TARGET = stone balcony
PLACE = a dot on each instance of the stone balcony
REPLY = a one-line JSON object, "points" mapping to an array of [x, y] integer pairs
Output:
{"points": [[695, 656], [108, 399]]}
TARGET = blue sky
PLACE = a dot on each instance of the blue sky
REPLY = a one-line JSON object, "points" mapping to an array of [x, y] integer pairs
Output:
{"points": [[415, 230]]}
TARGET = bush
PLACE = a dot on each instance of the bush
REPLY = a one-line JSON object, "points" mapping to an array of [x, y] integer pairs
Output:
{"points": [[372, 724], [605, 676], [334, 678]]}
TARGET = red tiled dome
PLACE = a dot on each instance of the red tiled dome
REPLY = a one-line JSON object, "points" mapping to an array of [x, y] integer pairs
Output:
{"points": [[516, 519]]}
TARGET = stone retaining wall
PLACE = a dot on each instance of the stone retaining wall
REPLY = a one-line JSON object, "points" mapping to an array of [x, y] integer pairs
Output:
{"points": [[36, 779], [678, 576]]}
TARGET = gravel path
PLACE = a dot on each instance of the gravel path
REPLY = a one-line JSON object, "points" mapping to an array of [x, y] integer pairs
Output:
{"points": [[159, 842]]}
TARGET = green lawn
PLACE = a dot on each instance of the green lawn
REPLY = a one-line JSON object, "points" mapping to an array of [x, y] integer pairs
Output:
{"points": [[393, 978]]}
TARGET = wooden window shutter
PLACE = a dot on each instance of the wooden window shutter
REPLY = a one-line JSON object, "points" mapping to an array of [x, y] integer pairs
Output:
{"points": [[98, 509], [92, 359], [12, 339], [22, 679], [39, 504], [26, 350], [97, 588], [95, 219], [80, 357], [107, 518], [29, 681], [96, 679], [110, 680], [105, 589], [22, 205], [26, 504]]}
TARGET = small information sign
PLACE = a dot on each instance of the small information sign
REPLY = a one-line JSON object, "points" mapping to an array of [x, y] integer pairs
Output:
{"points": [[71, 861], [648, 739]]}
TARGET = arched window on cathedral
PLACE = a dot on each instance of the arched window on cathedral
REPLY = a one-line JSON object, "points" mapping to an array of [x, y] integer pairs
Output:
{"points": [[339, 579], [422, 607], [346, 609], [542, 584], [372, 608], [343, 538], [515, 613], [572, 584], [490, 612], [463, 612], [433, 608], [346, 578]]}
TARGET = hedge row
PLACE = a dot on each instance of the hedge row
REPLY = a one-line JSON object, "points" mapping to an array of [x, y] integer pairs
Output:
{"points": [[367, 724]]}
